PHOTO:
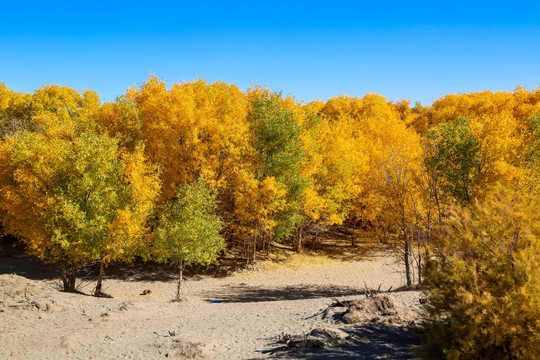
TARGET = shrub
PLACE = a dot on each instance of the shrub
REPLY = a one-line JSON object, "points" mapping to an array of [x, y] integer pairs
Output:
{"points": [[484, 281]]}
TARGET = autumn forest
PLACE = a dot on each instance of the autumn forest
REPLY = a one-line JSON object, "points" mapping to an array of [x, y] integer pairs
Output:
{"points": [[180, 173]]}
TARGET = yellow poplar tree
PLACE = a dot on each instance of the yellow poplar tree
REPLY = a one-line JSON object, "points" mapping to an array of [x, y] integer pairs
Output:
{"points": [[15, 111], [76, 200], [333, 165], [193, 130]]}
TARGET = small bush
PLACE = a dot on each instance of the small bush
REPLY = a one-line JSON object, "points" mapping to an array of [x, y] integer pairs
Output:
{"points": [[483, 282]]}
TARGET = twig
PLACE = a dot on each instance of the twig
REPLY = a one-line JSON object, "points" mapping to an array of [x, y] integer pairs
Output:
{"points": [[367, 292], [339, 303]]}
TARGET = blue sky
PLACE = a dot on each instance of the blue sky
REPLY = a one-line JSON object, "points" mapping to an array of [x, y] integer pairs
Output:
{"points": [[312, 50]]}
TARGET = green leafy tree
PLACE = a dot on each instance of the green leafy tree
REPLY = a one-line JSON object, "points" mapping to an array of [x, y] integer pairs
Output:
{"points": [[457, 159], [188, 230], [76, 200], [276, 139], [483, 281]]}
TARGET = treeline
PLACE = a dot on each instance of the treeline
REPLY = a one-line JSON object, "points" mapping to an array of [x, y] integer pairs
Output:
{"points": [[178, 174]]}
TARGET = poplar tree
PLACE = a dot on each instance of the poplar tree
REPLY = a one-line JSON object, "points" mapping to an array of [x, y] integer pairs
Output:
{"points": [[75, 200], [189, 230], [276, 140], [457, 158]]}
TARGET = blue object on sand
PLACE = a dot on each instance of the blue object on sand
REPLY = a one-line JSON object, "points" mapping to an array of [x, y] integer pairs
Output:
{"points": [[215, 301]]}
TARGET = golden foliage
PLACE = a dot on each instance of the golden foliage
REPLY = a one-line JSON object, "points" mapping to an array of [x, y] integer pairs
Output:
{"points": [[192, 130], [75, 200], [484, 280], [79, 179]]}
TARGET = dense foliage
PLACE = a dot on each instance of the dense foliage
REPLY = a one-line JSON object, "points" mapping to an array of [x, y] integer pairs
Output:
{"points": [[484, 281], [276, 140], [88, 182], [188, 229]]}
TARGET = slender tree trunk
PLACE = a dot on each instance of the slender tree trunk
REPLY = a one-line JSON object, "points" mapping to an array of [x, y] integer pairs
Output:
{"points": [[407, 262], [314, 241], [180, 278], [69, 275], [419, 268], [246, 250], [98, 291], [419, 249], [298, 243]]}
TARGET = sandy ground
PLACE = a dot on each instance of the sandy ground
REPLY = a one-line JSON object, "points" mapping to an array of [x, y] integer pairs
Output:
{"points": [[257, 307]]}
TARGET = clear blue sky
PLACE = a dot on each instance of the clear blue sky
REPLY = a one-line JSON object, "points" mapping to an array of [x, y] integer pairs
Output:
{"points": [[312, 50]]}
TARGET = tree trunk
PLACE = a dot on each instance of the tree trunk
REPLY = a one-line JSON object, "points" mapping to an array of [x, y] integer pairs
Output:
{"points": [[180, 278], [419, 268], [246, 250], [407, 262], [314, 240], [97, 291], [298, 243], [419, 249], [69, 275]]}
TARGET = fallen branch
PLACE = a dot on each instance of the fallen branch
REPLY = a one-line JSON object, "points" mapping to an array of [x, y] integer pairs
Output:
{"points": [[337, 303], [281, 246]]}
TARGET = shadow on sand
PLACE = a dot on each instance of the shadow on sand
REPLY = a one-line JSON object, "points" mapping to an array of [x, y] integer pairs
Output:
{"points": [[13, 260], [371, 341], [244, 293]]}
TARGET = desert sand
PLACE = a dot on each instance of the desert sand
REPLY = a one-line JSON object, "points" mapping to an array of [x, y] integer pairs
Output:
{"points": [[260, 308]]}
